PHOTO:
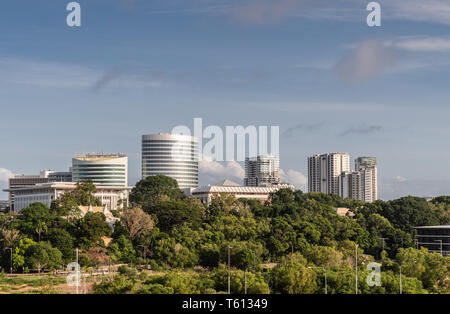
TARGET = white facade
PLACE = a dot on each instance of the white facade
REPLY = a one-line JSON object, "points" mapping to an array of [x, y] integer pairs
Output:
{"points": [[360, 184], [324, 171], [172, 155], [206, 193], [103, 170], [111, 197], [262, 171]]}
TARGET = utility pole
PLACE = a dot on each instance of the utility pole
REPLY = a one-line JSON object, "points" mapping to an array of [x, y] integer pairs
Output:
{"points": [[245, 281], [400, 278], [229, 269], [325, 275], [356, 268]]}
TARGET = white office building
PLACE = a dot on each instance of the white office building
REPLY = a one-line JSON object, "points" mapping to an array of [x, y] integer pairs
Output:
{"points": [[112, 197], [324, 171], [172, 155], [103, 170], [206, 193], [262, 171]]}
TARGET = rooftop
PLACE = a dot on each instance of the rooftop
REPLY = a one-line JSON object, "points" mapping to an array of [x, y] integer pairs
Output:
{"points": [[434, 227]]}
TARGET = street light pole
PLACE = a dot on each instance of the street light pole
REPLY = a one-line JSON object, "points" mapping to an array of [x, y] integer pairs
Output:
{"points": [[245, 281]]}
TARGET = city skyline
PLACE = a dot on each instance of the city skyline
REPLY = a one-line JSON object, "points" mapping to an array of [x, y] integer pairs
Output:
{"points": [[140, 67]]}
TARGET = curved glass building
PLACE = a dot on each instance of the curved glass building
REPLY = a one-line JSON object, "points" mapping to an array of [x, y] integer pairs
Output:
{"points": [[172, 155], [103, 170]]}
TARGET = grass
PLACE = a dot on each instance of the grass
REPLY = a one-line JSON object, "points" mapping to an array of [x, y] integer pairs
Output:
{"points": [[18, 284]]}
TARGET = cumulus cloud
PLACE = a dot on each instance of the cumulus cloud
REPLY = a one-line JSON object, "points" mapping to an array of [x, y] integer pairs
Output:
{"points": [[392, 188], [296, 178], [5, 174], [213, 171], [365, 61]]}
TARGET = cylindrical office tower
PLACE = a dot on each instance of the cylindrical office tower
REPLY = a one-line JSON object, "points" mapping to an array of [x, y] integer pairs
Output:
{"points": [[104, 170], [172, 155]]}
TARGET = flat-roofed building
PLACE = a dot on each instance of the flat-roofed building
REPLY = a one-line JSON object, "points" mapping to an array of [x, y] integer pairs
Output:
{"points": [[112, 197], [103, 170], [434, 238], [21, 181], [206, 193], [262, 170], [172, 155]]}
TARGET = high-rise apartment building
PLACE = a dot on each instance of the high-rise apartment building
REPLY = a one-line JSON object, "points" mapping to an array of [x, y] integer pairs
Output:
{"points": [[368, 168], [324, 171], [103, 170], [262, 171], [172, 155], [360, 184]]}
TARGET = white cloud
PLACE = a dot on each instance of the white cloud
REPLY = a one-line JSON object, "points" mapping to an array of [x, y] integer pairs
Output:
{"points": [[65, 75], [298, 179], [425, 44], [212, 171], [434, 11], [5, 174], [400, 179], [365, 61]]}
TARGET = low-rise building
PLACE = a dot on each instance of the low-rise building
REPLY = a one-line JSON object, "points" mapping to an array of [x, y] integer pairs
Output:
{"points": [[112, 197], [434, 238], [4, 205], [206, 193], [22, 181]]}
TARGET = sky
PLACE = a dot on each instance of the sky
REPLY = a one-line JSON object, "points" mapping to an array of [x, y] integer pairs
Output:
{"points": [[312, 67]]}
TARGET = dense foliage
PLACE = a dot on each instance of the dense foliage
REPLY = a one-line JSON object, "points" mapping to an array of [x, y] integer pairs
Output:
{"points": [[282, 246]]}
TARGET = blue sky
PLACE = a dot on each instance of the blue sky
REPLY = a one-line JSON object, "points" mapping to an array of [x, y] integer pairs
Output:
{"points": [[312, 67]]}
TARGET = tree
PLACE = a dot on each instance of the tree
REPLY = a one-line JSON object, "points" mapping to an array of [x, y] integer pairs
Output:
{"points": [[122, 250], [136, 222], [153, 189], [82, 195], [36, 219], [19, 252], [172, 214], [43, 256], [293, 278], [63, 241], [91, 228]]}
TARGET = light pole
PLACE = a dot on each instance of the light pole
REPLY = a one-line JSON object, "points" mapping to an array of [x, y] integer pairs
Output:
{"points": [[245, 281], [356, 268], [325, 274], [440, 241]]}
